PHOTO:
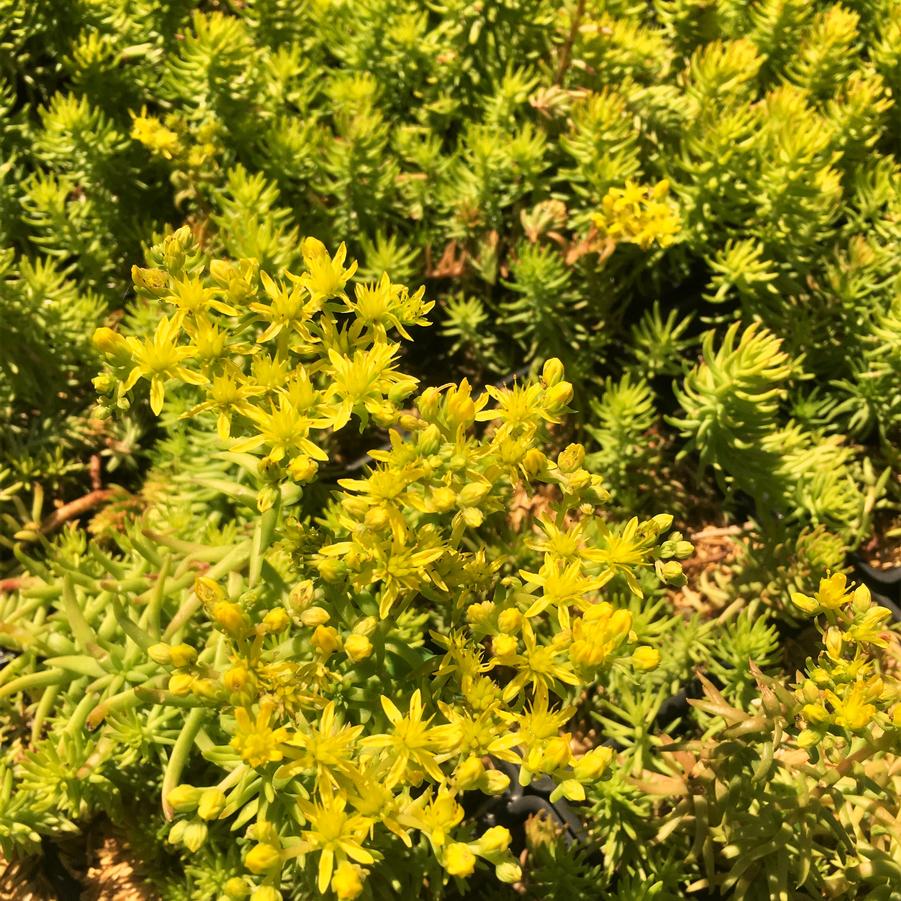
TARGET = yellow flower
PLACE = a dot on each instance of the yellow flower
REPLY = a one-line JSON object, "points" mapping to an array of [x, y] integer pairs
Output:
{"points": [[191, 296], [326, 276], [256, 742], [154, 135], [159, 359], [599, 634], [830, 596], [336, 835], [853, 710], [327, 749], [562, 585], [326, 640], [283, 430], [411, 741], [537, 665], [381, 305], [288, 307], [475, 736], [435, 815], [638, 215]]}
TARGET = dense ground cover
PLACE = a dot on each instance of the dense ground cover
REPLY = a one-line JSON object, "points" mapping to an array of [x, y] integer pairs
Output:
{"points": [[319, 568]]}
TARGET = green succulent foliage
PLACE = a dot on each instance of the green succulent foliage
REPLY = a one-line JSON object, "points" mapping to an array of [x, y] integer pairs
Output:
{"points": [[469, 146], [472, 146]]}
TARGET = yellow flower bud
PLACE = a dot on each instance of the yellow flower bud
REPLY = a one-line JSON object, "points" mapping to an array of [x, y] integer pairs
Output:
{"points": [[182, 655], [109, 342], [833, 642], [366, 626], [331, 569], [480, 613], [508, 871], [473, 494], [620, 622], [671, 572], [504, 645], [473, 517], [509, 621], [326, 640], [276, 620], [645, 658], [266, 893], [444, 499], [237, 678], [469, 774], [302, 468], [861, 598], [235, 889], [181, 684], [183, 798], [552, 372], [815, 713], [494, 782], [662, 522], [301, 596], [346, 882], [223, 271], [160, 653], [264, 831], [357, 647], [208, 591], [559, 395], [212, 803], [262, 858], [805, 603], [493, 841], [153, 281], [428, 403], [571, 459], [593, 764], [194, 835], [229, 617], [429, 440], [534, 462], [810, 691], [315, 616], [459, 860]]}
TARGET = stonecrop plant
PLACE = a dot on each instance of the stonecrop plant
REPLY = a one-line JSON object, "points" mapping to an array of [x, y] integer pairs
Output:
{"points": [[349, 678], [346, 589]]}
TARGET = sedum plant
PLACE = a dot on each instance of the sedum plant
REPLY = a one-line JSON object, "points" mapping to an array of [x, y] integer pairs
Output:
{"points": [[325, 680], [568, 180]]}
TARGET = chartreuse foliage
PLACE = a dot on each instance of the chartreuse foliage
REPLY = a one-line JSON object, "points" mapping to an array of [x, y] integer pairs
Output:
{"points": [[552, 170], [691, 207]]}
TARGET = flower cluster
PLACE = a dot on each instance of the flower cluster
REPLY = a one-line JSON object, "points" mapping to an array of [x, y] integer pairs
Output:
{"points": [[845, 691], [423, 632], [636, 214]]}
